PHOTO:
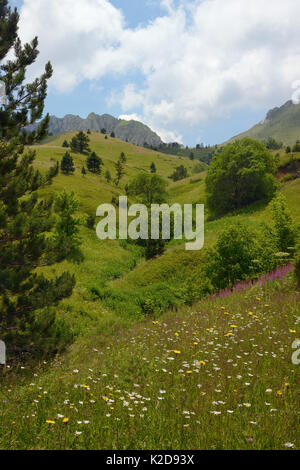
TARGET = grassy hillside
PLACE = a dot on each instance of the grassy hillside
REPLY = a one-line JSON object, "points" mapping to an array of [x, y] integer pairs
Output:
{"points": [[283, 125], [223, 365], [115, 281], [216, 376]]}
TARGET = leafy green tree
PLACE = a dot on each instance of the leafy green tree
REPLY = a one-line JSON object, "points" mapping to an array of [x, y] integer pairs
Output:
{"points": [[27, 298], [180, 173], [103, 131], [153, 167], [288, 149], [151, 189], [192, 156], [120, 172], [113, 134], [67, 164], [94, 163], [233, 257], [242, 173], [284, 226]]}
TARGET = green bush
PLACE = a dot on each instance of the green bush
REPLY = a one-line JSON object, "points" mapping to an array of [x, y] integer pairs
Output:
{"points": [[237, 255]]}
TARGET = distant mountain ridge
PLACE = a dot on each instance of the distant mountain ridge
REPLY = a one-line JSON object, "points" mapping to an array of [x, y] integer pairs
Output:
{"points": [[134, 132], [282, 123]]}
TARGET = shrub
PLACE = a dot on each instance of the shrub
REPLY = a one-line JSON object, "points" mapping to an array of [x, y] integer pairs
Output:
{"points": [[235, 257]]}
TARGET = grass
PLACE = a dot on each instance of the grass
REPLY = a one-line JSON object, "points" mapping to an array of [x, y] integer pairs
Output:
{"points": [[114, 278], [218, 375], [121, 385], [284, 127]]}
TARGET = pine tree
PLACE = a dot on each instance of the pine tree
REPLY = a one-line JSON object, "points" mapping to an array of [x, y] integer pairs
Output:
{"points": [[108, 176], [153, 167], [65, 144], [123, 158], [83, 142], [67, 164], [119, 172], [112, 134], [83, 171], [74, 145], [25, 220], [94, 163]]}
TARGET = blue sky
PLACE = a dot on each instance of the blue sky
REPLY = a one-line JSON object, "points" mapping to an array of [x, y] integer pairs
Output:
{"points": [[193, 70]]}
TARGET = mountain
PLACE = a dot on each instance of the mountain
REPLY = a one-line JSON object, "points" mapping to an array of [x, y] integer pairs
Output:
{"points": [[281, 123], [134, 132]]}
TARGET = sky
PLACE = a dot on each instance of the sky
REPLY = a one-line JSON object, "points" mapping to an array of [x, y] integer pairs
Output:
{"points": [[193, 70]]}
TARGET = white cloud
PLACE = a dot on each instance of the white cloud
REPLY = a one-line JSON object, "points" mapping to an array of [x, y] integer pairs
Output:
{"points": [[200, 61]]}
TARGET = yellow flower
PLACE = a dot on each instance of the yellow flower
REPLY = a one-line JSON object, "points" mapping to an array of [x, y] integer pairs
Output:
{"points": [[229, 334], [86, 386], [50, 421], [287, 384], [176, 334], [13, 422], [250, 313], [292, 331], [189, 371], [258, 298], [279, 393], [66, 420], [223, 308], [177, 352], [195, 343], [71, 407], [233, 326], [202, 362]]}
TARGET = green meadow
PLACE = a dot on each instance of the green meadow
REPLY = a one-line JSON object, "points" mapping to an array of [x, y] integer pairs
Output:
{"points": [[145, 370]]}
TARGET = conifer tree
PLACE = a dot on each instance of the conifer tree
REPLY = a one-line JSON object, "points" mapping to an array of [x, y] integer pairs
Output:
{"points": [[153, 167], [83, 142], [119, 172], [65, 144], [108, 176], [94, 163], [67, 164], [25, 220], [123, 158], [74, 145]]}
